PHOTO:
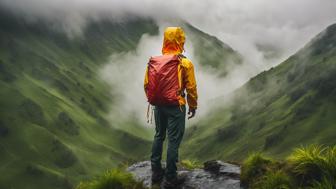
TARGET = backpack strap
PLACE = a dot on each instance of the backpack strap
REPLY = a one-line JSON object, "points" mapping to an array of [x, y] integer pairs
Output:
{"points": [[150, 113], [147, 114], [180, 56]]}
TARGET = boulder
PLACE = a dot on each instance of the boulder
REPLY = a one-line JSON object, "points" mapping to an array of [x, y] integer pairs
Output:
{"points": [[215, 175]]}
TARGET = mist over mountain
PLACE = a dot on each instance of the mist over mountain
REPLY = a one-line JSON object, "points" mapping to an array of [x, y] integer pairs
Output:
{"points": [[247, 26], [72, 103], [290, 105], [262, 41]]}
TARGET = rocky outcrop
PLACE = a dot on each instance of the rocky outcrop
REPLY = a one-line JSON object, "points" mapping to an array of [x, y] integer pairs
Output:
{"points": [[214, 175]]}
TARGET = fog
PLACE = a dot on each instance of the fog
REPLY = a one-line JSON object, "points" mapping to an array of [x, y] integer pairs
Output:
{"points": [[264, 32], [125, 72], [282, 26]]}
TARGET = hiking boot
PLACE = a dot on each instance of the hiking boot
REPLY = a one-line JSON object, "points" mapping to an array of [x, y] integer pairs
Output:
{"points": [[173, 183], [157, 175]]}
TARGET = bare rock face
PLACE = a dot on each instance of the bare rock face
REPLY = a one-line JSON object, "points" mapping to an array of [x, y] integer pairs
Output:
{"points": [[214, 175]]}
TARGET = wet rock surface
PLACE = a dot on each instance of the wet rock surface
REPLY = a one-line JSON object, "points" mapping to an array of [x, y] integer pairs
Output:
{"points": [[214, 175]]}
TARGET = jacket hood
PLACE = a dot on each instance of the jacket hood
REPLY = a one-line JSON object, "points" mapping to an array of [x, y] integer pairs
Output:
{"points": [[173, 41]]}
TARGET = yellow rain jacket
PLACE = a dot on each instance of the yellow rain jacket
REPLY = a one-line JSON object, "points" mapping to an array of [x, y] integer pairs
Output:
{"points": [[173, 43]]}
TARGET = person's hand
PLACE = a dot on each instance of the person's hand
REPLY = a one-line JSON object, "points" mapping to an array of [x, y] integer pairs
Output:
{"points": [[191, 113]]}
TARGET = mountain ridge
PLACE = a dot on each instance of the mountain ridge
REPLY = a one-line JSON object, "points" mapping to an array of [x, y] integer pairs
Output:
{"points": [[276, 110]]}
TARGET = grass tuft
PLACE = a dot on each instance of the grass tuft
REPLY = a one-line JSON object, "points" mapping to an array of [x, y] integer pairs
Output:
{"points": [[324, 184], [113, 179], [253, 167], [190, 164], [311, 167], [274, 180], [313, 162], [331, 162]]}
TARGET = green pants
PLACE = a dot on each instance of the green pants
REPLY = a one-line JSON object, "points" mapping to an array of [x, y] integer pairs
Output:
{"points": [[169, 119]]}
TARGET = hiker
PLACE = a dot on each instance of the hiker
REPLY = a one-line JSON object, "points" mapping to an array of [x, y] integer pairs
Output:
{"points": [[166, 80]]}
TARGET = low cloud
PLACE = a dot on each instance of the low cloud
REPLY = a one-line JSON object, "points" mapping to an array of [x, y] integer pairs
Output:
{"points": [[265, 32], [283, 26]]}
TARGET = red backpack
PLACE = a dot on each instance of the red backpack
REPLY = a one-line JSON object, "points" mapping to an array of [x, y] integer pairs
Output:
{"points": [[163, 84]]}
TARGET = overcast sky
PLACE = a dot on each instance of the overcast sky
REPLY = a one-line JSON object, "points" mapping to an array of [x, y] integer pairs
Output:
{"points": [[283, 25]]}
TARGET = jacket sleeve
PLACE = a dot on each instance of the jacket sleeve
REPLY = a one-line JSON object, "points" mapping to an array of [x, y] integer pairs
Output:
{"points": [[190, 85], [146, 80]]}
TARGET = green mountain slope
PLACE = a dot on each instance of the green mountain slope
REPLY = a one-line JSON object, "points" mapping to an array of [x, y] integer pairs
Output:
{"points": [[52, 103], [287, 106]]}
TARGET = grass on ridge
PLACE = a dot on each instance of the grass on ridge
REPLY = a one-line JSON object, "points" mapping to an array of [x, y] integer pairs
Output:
{"points": [[190, 164], [116, 178], [307, 167]]}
